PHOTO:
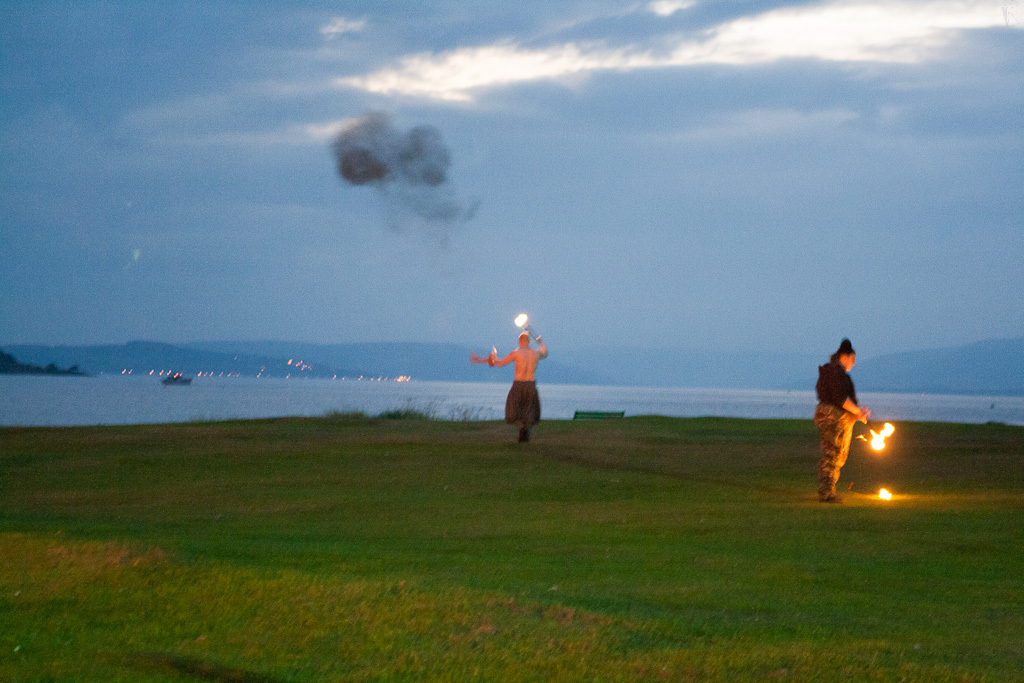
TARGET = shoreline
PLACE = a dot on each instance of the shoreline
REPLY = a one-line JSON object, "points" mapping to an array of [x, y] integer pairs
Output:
{"points": [[356, 418], [29, 401]]}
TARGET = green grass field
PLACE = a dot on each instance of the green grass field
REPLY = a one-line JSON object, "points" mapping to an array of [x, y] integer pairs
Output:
{"points": [[353, 549]]}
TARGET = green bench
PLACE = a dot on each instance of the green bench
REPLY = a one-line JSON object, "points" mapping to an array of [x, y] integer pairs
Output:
{"points": [[596, 415]]}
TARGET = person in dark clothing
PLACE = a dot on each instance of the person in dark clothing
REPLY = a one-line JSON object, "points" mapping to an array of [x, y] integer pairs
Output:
{"points": [[835, 416], [522, 407]]}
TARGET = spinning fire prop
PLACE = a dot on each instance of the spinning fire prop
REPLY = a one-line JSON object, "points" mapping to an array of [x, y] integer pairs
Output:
{"points": [[522, 320], [877, 439], [884, 494]]}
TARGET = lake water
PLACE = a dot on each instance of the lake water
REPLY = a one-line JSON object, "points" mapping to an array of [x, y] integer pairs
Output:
{"points": [[66, 401]]}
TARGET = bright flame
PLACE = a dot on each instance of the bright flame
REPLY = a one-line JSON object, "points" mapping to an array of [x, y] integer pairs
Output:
{"points": [[884, 494], [521, 320], [878, 438]]}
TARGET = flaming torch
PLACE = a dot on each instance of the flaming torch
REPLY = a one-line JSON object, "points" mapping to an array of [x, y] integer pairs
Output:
{"points": [[522, 320], [877, 439]]}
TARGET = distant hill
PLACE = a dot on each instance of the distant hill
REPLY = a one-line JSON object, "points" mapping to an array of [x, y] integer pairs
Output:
{"points": [[703, 369], [142, 357], [422, 361], [9, 365], [994, 367]]}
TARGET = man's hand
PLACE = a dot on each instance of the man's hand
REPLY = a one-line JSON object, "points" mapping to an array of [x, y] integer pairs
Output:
{"points": [[482, 359]]}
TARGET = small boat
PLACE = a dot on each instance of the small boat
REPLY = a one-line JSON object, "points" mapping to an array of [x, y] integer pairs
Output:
{"points": [[176, 378]]}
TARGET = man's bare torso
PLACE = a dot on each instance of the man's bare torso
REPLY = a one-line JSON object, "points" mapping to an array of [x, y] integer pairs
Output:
{"points": [[524, 357], [526, 364]]}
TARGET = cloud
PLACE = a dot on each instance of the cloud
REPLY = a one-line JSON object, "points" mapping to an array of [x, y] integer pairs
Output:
{"points": [[287, 135], [760, 124], [901, 32], [186, 111], [455, 75], [666, 8], [1010, 12], [340, 25]]}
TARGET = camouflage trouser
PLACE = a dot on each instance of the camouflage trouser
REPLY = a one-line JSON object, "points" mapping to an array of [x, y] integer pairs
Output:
{"points": [[836, 427]]}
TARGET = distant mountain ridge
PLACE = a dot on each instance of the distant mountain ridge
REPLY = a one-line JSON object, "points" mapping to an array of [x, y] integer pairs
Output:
{"points": [[420, 360], [701, 369], [991, 367], [144, 357], [9, 365]]}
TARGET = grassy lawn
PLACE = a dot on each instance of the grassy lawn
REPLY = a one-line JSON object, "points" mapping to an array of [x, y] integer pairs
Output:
{"points": [[353, 549]]}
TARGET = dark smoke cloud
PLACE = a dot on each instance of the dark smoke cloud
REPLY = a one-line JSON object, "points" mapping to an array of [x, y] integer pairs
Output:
{"points": [[409, 169]]}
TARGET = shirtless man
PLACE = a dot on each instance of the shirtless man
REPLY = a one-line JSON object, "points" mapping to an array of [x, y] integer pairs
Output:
{"points": [[522, 407]]}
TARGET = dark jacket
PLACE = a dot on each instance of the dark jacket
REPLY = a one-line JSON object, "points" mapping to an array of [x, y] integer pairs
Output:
{"points": [[834, 385]]}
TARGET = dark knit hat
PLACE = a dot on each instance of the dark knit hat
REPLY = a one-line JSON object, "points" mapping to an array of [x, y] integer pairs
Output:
{"points": [[845, 348]]}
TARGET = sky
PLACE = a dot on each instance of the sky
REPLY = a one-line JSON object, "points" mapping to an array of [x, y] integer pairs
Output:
{"points": [[695, 174]]}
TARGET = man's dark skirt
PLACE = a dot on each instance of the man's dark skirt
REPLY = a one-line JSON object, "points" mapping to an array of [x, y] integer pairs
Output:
{"points": [[523, 404]]}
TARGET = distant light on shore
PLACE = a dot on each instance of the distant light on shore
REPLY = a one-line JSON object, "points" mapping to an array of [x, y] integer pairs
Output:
{"points": [[258, 375]]}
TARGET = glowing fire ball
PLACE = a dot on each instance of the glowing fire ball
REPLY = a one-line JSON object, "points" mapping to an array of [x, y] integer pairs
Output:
{"points": [[878, 439], [521, 319], [884, 494]]}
